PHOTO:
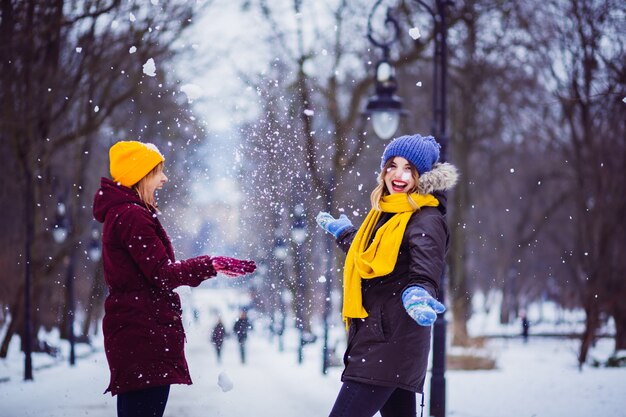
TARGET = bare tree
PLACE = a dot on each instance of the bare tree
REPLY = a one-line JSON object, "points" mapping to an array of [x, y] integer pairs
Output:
{"points": [[579, 47], [321, 72], [67, 68]]}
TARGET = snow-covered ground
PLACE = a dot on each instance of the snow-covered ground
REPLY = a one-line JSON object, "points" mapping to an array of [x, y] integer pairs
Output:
{"points": [[540, 378]]}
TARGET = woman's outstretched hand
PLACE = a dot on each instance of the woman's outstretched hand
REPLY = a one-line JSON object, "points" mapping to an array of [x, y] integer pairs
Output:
{"points": [[421, 306], [233, 267], [332, 225]]}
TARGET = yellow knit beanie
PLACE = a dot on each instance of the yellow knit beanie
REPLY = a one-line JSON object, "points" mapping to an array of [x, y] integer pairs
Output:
{"points": [[130, 161]]}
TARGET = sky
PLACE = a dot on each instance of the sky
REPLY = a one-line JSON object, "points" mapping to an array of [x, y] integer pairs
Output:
{"points": [[536, 379]]}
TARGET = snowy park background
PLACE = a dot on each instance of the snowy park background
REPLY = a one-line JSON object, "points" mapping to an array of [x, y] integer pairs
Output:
{"points": [[535, 379], [257, 106]]}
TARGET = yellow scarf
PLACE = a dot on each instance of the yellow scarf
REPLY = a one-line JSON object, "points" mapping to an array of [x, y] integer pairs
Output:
{"points": [[379, 259]]}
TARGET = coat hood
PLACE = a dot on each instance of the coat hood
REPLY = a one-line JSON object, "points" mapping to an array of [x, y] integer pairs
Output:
{"points": [[112, 194], [442, 177]]}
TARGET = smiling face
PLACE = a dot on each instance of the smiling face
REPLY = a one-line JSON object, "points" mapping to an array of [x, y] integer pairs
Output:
{"points": [[400, 176]]}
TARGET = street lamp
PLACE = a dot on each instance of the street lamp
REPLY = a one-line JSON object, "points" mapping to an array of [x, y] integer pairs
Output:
{"points": [[384, 108], [60, 233], [298, 235], [280, 250], [438, 130], [95, 252]]}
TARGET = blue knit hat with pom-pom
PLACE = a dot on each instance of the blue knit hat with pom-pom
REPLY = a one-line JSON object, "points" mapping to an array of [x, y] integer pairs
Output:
{"points": [[421, 151]]}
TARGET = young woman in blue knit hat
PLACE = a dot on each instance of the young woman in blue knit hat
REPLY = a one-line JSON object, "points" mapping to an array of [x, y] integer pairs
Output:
{"points": [[391, 280]]}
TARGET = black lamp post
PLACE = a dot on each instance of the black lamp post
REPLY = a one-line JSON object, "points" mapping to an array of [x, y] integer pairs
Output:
{"points": [[280, 254], [59, 233], [298, 235], [328, 281], [384, 108], [28, 324], [439, 131]]}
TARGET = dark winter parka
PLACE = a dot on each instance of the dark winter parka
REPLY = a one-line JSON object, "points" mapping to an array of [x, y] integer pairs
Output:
{"points": [[218, 334], [241, 327], [388, 347], [142, 326]]}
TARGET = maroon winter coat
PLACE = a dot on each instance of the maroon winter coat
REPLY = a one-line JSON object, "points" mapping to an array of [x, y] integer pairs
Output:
{"points": [[142, 326]]}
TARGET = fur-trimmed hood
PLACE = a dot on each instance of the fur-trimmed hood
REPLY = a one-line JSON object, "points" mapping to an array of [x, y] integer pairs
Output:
{"points": [[442, 177]]}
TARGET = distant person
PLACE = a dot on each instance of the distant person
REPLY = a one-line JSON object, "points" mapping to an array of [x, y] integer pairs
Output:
{"points": [[525, 326], [217, 338], [392, 276], [241, 327], [142, 326]]}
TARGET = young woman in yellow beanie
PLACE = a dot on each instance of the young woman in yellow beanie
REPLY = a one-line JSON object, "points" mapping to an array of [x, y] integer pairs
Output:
{"points": [[392, 273], [143, 331]]}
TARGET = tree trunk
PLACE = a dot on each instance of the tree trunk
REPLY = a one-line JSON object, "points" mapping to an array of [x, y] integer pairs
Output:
{"points": [[460, 308], [507, 302], [94, 306], [591, 324], [460, 297], [619, 315], [16, 311]]}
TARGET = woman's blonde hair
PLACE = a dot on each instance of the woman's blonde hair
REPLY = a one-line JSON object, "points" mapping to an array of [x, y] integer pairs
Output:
{"points": [[381, 189], [142, 189]]}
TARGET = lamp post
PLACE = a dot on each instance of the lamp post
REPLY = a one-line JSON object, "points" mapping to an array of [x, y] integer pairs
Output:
{"points": [[280, 254], [28, 324], [298, 235], [439, 131], [59, 233], [328, 281], [384, 108]]}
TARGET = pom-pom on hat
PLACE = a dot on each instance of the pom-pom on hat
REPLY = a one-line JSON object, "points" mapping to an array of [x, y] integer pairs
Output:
{"points": [[130, 161], [421, 151]]}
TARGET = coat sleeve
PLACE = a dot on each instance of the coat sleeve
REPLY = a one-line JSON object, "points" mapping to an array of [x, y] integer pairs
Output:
{"points": [[344, 241], [137, 231], [428, 244]]}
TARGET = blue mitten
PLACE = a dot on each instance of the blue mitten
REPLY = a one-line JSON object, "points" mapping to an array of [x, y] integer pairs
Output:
{"points": [[421, 306], [332, 225]]}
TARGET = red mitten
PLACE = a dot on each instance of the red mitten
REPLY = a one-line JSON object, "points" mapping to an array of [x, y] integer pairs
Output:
{"points": [[233, 267]]}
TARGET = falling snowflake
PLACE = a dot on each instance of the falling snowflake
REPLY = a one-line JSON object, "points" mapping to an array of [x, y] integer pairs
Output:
{"points": [[149, 68], [132, 50], [414, 33]]}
